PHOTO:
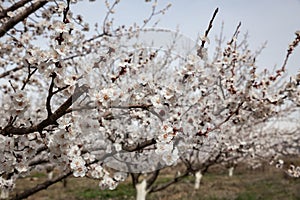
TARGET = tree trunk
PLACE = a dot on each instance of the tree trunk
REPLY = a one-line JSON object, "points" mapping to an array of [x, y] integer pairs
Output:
{"points": [[4, 193], [141, 191], [50, 175], [230, 171], [198, 176]]}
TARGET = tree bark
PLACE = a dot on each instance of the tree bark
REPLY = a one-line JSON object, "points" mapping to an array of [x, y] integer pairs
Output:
{"points": [[230, 171], [20, 17], [4, 193], [141, 191], [198, 176]]}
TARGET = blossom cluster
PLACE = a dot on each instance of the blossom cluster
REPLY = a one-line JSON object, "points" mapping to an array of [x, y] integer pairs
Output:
{"points": [[293, 171], [165, 145]]}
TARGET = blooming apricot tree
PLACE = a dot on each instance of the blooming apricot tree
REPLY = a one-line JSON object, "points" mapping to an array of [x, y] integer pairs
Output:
{"points": [[104, 105]]}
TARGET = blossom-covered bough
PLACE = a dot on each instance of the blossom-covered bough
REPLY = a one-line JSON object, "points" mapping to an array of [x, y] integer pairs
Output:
{"points": [[110, 104]]}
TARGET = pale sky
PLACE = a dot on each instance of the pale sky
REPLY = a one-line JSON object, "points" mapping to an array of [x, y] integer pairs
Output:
{"points": [[274, 21]]}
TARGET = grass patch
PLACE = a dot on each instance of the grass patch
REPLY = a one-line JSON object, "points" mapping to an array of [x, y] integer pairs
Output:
{"points": [[123, 191], [38, 175], [247, 196]]}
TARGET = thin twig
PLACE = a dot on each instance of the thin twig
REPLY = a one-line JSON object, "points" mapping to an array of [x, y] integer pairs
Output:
{"points": [[107, 15], [4, 74], [12, 85], [291, 49], [210, 25], [30, 73], [235, 33]]}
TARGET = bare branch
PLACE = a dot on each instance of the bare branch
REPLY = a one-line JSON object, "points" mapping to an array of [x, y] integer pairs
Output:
{"points": [[235, 33], [152, 178], [50, 94], [210, 25], [30, 73]]}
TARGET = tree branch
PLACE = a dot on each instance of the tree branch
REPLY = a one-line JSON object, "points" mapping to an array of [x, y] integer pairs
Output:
{"points": [[152, 178], [16, 19], [30, 73], [139, 146], [210, 25], [9, 71], [50, 120], [50, 94], [13, 8]]}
